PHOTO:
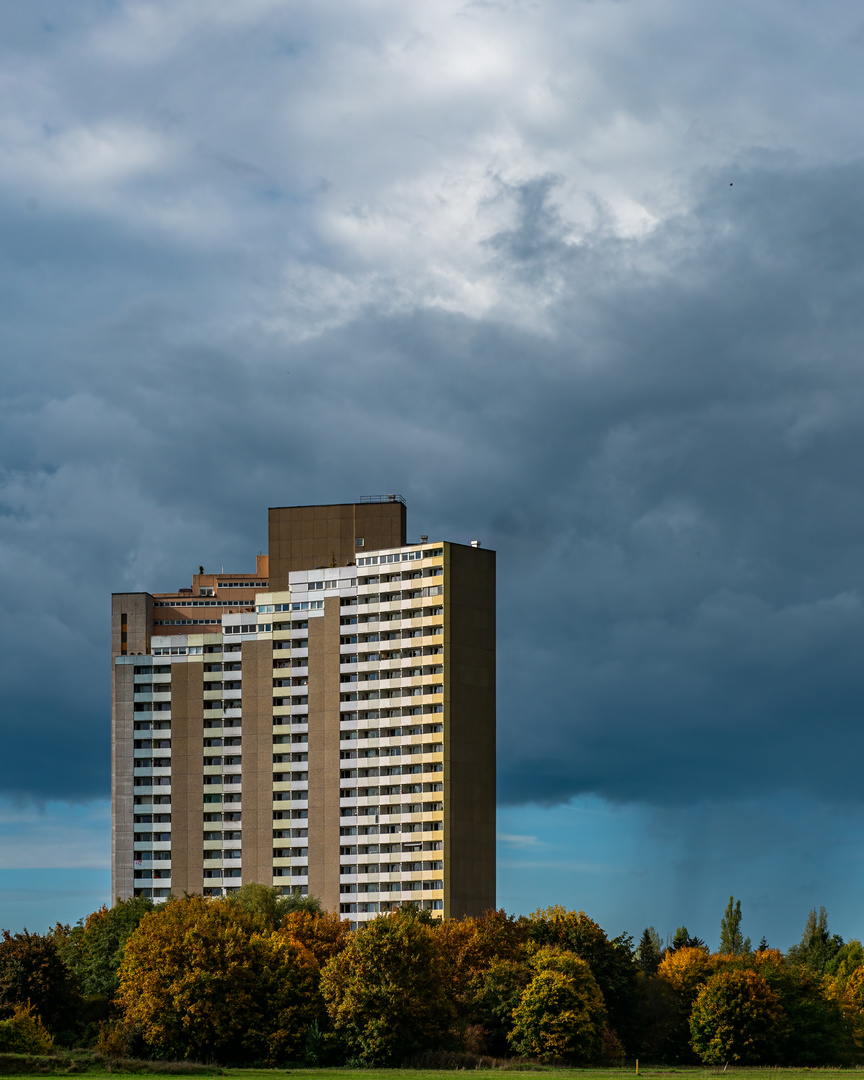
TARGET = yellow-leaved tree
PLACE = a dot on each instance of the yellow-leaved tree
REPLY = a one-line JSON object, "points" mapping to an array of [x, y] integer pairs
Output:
{"points": [[561, 1015], [200, 979], [738, 1017]]}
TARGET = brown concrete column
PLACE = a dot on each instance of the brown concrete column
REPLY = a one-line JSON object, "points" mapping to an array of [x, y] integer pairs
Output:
{"points": [[257, 671], [469, 730], [324, 756], [187, 785]]}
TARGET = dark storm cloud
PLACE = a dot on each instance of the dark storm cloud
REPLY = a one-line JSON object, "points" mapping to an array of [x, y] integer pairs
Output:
{"points": [[549, 271], [669, 471]]}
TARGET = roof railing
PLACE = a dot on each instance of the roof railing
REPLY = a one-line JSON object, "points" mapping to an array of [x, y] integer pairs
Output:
{"points": [[382, 499]]}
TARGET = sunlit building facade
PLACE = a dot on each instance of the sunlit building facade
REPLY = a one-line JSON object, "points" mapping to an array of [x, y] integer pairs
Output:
{"points": [[326, 723]]}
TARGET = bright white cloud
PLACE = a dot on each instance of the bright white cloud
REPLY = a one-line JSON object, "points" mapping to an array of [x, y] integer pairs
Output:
{"points": [[581, 279]]}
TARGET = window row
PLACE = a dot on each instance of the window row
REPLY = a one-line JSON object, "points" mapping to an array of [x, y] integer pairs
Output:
{"points": [[199, 603], [394, 693], [391, 868], [401, 556], [391, 886], [388, 673], [384, 808], [411, 846]]}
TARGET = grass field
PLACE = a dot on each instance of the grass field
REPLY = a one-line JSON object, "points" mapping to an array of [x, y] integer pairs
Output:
{"points": [[654, 1073], [88, 1068]]}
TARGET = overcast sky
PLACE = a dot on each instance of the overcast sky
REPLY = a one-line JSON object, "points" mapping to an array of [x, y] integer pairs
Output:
{"points": [[581, 279]]}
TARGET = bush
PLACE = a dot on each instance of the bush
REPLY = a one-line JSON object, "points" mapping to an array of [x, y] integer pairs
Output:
{"points": [[24, 1033]]}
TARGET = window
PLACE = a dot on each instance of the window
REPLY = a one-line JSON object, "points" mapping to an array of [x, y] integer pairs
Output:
{"points": [[359, 542]]}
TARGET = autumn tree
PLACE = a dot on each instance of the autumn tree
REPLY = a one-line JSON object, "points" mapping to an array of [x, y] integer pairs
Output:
{"points": [[851, 1000], [732, 940], [470, 945], [199, 979], [737, 1017], [561, 1015], [325, 935], [32, 973], [685, 971], [385, 991], [611, 962]]}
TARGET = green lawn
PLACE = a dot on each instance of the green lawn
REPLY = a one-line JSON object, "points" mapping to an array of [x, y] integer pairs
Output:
{"points": [[61, 1068], [654, 1072]]}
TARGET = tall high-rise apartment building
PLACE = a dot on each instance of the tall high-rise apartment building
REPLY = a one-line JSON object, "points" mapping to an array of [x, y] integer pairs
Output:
{"points": [[326, 723]]}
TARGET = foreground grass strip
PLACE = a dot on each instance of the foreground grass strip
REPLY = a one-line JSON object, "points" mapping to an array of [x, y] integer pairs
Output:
{"points": [[653, 1072], [82, 1063]]}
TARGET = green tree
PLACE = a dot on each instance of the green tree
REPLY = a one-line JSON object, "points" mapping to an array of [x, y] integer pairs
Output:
{"points": [[732, 941], [849, 957], [496, 993], [93, 948], [32, 973], [817, 947], [385, 991], [649, 951], [737, 1017], [271, 904], [817, 1033], [561, 1015], [682, 939], [199, 979], [663, 1034]]}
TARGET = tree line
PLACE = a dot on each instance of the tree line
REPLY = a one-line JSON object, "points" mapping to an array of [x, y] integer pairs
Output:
{"points": [[258, 977]]}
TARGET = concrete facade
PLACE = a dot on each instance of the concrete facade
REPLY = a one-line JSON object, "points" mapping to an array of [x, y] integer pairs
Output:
{"points": [[326, 724]]}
